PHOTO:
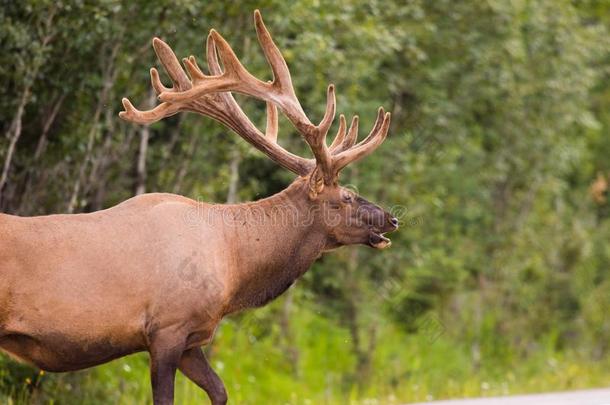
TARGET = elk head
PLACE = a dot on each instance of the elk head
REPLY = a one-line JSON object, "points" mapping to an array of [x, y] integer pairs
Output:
{"points": [[346, 217]]}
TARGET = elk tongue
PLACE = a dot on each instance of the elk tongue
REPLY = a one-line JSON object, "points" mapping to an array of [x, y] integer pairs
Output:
{"points": [[379, 241]]}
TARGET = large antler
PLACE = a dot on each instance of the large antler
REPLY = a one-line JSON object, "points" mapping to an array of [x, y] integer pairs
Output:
{"points": [[210, 95]]}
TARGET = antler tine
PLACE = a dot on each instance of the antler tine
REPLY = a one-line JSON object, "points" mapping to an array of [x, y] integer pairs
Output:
{"points": [[378, 123], [340, 134], [282, 80], [329, 114], [147, 117], [156, 82], [179, 78], [212, 56], [352, 133], [350, 138], [281, 74], [196, 74], [316, 137], [366, 146], [272, 122], [234, 77], [171, 65]]}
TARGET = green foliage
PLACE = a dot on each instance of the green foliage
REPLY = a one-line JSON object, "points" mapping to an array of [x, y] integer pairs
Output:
{"points": [[497, 282]]}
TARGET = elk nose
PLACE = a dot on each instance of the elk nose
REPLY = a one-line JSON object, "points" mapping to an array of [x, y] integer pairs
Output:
{"points": [[394, 222]]}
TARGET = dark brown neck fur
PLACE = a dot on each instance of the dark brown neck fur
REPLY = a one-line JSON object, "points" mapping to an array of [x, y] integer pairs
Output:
{"points": [[279, 240]]}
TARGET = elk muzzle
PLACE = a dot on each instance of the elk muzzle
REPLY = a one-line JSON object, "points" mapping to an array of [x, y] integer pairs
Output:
{"points": [[379, 222]]}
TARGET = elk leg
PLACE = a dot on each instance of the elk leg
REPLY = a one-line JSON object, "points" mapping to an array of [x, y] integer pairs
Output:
{"points": [[195, 366], [164, 359]]}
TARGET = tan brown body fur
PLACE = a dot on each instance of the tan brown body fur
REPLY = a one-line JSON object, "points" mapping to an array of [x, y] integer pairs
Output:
{"points": [[154, 262]]}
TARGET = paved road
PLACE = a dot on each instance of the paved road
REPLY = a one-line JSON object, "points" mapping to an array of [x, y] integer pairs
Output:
{"points": [[585, 397]]}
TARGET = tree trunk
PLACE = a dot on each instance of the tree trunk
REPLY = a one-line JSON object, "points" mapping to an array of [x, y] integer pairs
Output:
{"points": [[99, 176], [143, 149], [232, 197], [46, 127], [173, 140], [232, 193], [141, 166], [184, 166], [14, 132], [32, 172], [108, 81], [363, 352], [290, 348]]}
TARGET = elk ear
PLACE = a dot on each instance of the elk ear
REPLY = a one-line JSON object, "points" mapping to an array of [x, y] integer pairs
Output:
{"points": [[316, 183]]}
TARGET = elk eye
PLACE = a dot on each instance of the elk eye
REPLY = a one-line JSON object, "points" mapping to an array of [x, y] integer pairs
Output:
{"points": [[348, 198]]}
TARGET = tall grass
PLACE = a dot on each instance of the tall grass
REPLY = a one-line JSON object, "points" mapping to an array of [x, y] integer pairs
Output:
{"points": [[251, 358]]}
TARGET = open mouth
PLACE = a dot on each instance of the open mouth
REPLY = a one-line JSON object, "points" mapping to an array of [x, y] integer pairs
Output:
{"points": [[378, 240]]}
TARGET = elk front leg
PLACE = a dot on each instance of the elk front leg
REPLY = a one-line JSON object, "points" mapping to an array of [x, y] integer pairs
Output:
{"points": [[195, 366], [165, 356]]}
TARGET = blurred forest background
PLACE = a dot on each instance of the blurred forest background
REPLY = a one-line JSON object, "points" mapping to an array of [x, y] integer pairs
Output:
{"points": [[497, 163]]}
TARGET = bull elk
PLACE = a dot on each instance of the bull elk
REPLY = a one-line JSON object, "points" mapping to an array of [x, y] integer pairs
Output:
{"points": [[158, 272]]}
